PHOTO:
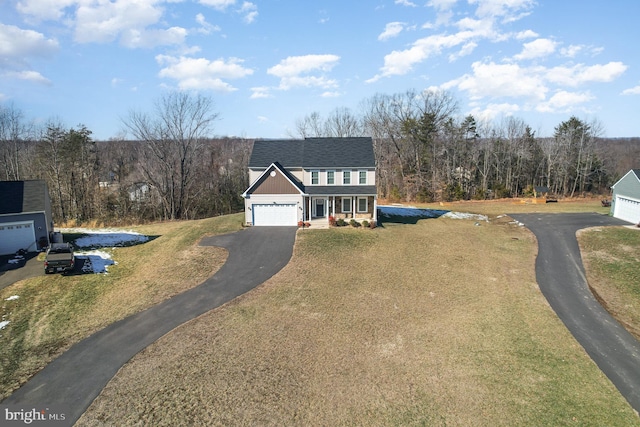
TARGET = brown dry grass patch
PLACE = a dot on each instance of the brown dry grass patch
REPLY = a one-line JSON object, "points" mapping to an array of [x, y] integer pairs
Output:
{"points": [[438, 323]]}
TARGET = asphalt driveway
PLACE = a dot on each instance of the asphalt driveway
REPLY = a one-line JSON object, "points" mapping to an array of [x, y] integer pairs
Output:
{"points": [[561, 277], [72, 381], [13, 270]]}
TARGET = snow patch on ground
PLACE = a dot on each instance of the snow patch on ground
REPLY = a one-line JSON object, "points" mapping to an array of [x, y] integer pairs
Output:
{"points": [[462, 215], [3, 324], [106, 237], [95, 261], [12, 298]]}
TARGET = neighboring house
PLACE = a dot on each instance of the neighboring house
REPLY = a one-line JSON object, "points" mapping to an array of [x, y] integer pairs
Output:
{"points": [[311, 179], [625, 201], [25, 216], [139, 192]]}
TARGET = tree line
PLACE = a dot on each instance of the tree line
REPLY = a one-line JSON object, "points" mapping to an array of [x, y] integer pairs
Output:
{"points": [[169, 166]]}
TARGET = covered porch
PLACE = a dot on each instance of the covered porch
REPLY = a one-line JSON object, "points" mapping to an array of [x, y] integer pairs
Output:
{"points": [[318, 208]]}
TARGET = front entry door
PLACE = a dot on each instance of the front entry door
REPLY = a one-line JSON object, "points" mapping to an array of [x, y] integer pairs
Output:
{"points": [[319, 207]]}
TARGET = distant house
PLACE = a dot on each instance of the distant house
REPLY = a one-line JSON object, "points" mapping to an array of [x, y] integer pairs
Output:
{"points": [[139, 192], [625, 202], [308, 179], [25, 216]]}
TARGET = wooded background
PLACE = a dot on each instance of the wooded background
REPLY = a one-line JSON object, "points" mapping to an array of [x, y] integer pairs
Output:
{"points": [[169, 165]]}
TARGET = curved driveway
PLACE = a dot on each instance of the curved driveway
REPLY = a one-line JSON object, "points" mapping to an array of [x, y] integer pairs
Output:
{"points": [[560, 275], [72, 381]]}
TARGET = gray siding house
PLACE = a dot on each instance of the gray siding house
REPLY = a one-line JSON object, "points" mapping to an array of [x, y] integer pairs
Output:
{"points": [[309, 179], [25, 216], [625, 201]]}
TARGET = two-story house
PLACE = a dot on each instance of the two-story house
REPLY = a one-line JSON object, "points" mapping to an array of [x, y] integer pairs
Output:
{"points": [[308, 179]]}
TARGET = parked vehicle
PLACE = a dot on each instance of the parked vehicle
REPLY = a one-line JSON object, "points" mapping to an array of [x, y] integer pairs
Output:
{"points": [[59, 258]]}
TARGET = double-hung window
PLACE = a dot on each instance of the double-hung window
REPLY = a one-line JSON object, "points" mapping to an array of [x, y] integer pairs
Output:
{"points": [[331, 177], [346, 204], [362, 177], [315, 177], [363, 204], [346, 177]]}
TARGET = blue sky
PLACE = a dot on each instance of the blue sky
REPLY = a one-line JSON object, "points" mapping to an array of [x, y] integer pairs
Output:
{"points": [[267, 63]]}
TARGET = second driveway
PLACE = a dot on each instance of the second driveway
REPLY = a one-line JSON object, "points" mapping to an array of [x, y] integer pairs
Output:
{"points": [[561, 277], [72, 381]]}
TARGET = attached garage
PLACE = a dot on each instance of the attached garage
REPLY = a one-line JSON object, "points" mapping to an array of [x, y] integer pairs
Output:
{"points": [[274, 214], [627, 209], [17, 235], [25, 216], [625, 202]]}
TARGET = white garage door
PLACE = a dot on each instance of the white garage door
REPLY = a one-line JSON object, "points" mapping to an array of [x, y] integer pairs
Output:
{"points": [[279, 214], [15, 236], [627, 209]]}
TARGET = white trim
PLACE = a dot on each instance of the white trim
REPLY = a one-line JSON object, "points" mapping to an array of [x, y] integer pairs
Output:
{"points": [[343, 177], [334, 177], [342, 199], [365, 177], [311, 172], [366, 204], [264, 172]]}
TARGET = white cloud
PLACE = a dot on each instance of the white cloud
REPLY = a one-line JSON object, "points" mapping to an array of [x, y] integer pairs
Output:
{"points": [[31, 76], [580, 74], [527, 34], [206, 27], [44, 10], [201, 73], [405, 3], [250, 12], [537, 49], [500, 80], [330, 94], [18, 44], [508, 10], [401, 62], [218, 4], [293, 71], [492, 111], [261, 92], [442, 4], [632, 91], [152, 38], [563, 101], [392, 29]]}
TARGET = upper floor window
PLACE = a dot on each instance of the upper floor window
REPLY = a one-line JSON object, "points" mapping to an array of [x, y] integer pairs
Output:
{"points": [[346, 177], [331, 177], [315, 177], [362, 177]]}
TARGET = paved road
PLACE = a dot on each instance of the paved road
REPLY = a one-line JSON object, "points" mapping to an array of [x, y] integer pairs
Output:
{"points": [[560, 275], [73, 380]]}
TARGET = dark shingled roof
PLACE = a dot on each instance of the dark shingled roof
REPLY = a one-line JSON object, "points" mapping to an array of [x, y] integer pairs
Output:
{"points": [[22, 196], [311, 153], [637, 172]]}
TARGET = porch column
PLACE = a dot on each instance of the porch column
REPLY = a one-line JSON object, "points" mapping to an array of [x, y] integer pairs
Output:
{"points": [[353, 207], [375, 208], [333, 207], [310, 211]]}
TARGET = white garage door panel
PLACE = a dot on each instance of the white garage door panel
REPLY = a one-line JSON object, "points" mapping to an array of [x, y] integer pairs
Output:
{"points": [[273, 215], [627, 209], [15, 236]]}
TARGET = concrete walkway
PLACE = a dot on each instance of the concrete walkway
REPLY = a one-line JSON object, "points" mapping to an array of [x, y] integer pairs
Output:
{"points": [[561, 277], [72, 381]]}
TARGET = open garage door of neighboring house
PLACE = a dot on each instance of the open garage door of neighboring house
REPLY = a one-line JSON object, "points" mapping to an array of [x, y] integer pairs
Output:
{"points": [[17, 235], [627, 209], [274, 214]]}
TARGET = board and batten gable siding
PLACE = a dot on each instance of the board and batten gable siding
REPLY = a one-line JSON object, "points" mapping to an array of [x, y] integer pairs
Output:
{"points": [[277, 184]]}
